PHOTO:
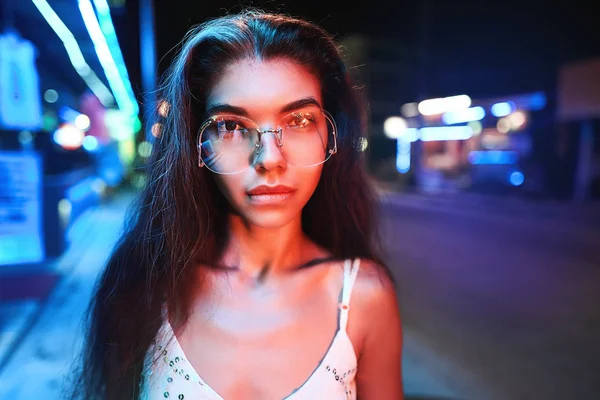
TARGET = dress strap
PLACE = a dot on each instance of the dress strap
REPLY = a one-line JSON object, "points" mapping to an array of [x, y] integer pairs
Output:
{"points": [[351, 268]]}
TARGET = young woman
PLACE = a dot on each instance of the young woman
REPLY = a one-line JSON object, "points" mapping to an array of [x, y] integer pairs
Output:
{"points": [[250, 266]]}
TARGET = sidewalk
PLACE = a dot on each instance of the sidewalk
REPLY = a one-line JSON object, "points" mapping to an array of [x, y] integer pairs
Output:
{"points": [[41, 335]]}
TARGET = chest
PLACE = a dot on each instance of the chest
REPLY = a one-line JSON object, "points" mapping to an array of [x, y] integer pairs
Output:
{"points": [[262, 344]]}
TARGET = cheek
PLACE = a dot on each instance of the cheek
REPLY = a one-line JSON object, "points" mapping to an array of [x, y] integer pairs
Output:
{"points": [[308, 180], [232, 188]]}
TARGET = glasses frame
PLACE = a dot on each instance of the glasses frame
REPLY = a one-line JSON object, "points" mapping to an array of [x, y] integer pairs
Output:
{"points": [[278, 133]]}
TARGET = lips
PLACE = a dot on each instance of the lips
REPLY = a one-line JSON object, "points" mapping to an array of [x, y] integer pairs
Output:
{"points": [[270, 194], [264, 189]]}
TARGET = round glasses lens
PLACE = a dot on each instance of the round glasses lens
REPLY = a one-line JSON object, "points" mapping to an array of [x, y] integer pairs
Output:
{"points": [[231, 144], [227, 143], [308, 138]]}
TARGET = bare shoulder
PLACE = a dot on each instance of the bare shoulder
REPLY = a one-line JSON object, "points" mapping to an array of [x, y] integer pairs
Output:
{"points": [[380, 352], [374, 287], [374, 302]]}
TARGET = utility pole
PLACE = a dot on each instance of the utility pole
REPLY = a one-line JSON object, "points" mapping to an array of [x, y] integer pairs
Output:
{"points": [[148, 63]]}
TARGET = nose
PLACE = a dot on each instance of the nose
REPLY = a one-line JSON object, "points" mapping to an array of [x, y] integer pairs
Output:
{"points": [[269, 155]]}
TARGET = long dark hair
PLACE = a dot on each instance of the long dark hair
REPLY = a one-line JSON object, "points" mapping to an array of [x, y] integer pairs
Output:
{"points": [[179, 220]]}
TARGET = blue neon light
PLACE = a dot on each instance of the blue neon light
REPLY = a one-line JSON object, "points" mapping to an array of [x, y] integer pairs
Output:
{"points": [[465, 115], [537, 101], [68, 114], [75, 54], [494, 157], [409, 135], [516, 178], [437, 133], [504, 108], [402, 156], [443, 133], [107, 27], [115, 81]]}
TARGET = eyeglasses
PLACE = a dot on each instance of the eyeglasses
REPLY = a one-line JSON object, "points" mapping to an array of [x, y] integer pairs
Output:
{"points": [[229, 144]]}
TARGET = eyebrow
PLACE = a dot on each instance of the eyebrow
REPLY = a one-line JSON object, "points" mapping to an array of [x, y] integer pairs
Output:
{"points": [[228, 108]]}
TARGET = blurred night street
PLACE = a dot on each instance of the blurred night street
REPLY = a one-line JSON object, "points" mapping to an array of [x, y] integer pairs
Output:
{"points": [[504, 300], [482, 136]]}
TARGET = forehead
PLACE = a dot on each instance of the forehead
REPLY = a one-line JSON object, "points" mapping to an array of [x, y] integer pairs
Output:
{"points": [[264, 86]]}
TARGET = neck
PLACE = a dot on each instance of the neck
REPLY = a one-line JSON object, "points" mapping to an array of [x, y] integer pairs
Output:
{"points": [[259, 251]]}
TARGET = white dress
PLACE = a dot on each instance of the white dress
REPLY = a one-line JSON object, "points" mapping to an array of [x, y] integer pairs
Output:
{"points": [[171, 376]]}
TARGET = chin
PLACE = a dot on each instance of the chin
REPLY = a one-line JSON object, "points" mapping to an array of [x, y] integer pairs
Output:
{"points": [[270, 219]]}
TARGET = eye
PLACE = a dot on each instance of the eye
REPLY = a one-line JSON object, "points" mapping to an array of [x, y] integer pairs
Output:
{"points": [[301, 120], [229, 129], [230, 126]]}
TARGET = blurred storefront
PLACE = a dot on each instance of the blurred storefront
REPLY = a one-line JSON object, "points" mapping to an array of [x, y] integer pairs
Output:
{"points": [[68, 121], [536, 144], [458, 143]]}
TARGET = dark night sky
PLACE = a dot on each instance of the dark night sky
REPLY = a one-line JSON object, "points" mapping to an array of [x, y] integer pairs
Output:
{"points": [[483, 48]]}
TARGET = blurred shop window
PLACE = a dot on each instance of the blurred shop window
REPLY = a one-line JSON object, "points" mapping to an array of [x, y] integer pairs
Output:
{"points": [[20, 98]]}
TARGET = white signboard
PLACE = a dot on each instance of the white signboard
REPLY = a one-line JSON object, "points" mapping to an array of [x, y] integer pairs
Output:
{"points": [[20, 99], [20, 208]]}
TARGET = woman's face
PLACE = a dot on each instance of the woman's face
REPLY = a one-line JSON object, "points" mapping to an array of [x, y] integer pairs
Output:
{"points": [[273, 190]]}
